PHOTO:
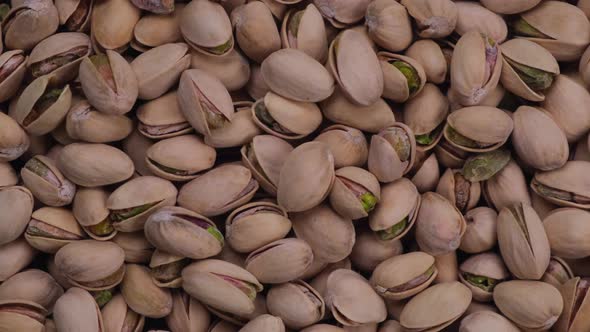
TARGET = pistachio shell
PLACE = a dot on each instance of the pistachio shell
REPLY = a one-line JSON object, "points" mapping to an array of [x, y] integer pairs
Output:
{"points": [[90, 209], [15, 62], [240, 131], [88, 124], [280, 261], [565, 186], [389, 25], [304, 30], [255, 30], [117, 316], [153, 30], [425, 114], [566, 229], [265, 157], [46, 182], [480, 234], [51, 228], [296, 303], [392, 152], [32, 285], [430, 55], [485, 321], [77, 310], [396, 69], [142, 295], [112, 24], [348, 145], [399, 203], [233, 70], [435, 19], [474, 16], [17, 202], [507, 187], [207, 28], [28, 23]]}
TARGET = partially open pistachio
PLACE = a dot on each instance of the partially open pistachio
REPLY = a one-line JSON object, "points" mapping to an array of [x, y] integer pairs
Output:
{"points": [[117, 316], [507, 187], [389, 25], [395, 215], [153, 30], [343, 12], [265, 156], [90, 210], [255, 30], [474, 16], [296, 303], [355, 192], [575, 294], [136, 247], [431, 56], [480, 234], [51, 228], [558, 272], [348, 145], [77, 310], [17, 202], [481, 273], [155, 6], [280, 261], [486, 321], [425, 114], [206, 27], [13, 139], [187, 314], [22, 316], [75, 14], [304, 30], [46, 182], [240, 131], [12, 72], [32, 285], [86, 123], [369, 250], [166, 269], [403, 76], [162, 118], [112, 24], [565, 186], [142, 295], [460, 191], [440, 225], [392, 152], [434, 20], [28, 23], [566, 228]]}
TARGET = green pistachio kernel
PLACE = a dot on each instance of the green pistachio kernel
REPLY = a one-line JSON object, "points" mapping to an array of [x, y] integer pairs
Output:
{"points": [[216, 233], [485, 283], [294, 22], [4, 10], [523, 28], [121, 215], [484, 166], [461, 140], [368, 201], [534, 78], [410, 73], [221, 49], [170, 170], [393, 231], [266, 118], [102, 297], [103, 228], [36, 166]]}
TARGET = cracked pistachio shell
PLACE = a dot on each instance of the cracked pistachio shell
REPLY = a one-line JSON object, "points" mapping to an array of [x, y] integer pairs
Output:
{"points": [[92, 265], [565, 186], [463, 193], [46, 182], [133, 202], [488, 265], [15, 256], [561, 28], [399, 203], [255, 30], [8, 175], [371, 119], [86, 123], [475, 68], [69, 47], [352, 300], [506, 187], [77, 310], [219, 190], [91, 212], [51, 228], [575, 306], [183, 233], [255, 225], [388, 25], [14, 141], [75, 14], [567, 229], [93, 165], [355, 192], [369, 250], [207, 28], [480, 234], [221, 285], [240, 131], [440, 225], [162, 118], [32, 285], [38, 113], [323, 328], [537, 139], [448, 155], [426, 173], [425, 114], [265, 156], [296, 303], [452, 299], [233, 70], [180, 158], [404, 276], [137, 249], [434, 19], [204, 101], [112, 24], [166, 269], [187, 314], [264, 322], [342, 13], [288, 119], [566, 101], [304, 30], [397, 86], [348, 145], [558, 272], [392, 152], [474, 16], [13, 64], [118, 317], [259, 309], [430, 55], [473, 124], [142, 295], [28, 23], [280, 261], [17, 204], [153, 30], [159, 69], [18, 315], [523, 57], [532, 305], [309, 163], [355, 66], [523, 241], [295, 75], [486, 321]]}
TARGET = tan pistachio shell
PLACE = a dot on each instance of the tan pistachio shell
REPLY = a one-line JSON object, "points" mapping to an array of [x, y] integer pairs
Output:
{"points": [[117, 316], [345, 200], [264, 323], [384, 161], [206, 27], [348, 145], [480, 234], [430, 55], [486, 321], [399, 199], [59, 218], [280, 261], [162, 260], [15, 256], [68, 11], [323, 328], [112, 24], [162, 118], [489, 265], [575, 305], [51, 189], [18, 315], [233, 70], [583, 67], [17, 204], [153, 30], [310, 162], [342, 13], [11, 84], [296, 303], [435, 19], [474, 16], [566, 229], [511, 7], [32, 285], [76, 310], [85, 123], [425, 113], [13, 139], [28, 23], [463, 193], [572, 179], [142, 295], [241, 130], [506, 187], [187, 314], [307, 33], [369, 250], [265, 157], [426, 173], [396, 85], [90, 208], [137, 248], [135, 146], [255, 30], [389, 25]]}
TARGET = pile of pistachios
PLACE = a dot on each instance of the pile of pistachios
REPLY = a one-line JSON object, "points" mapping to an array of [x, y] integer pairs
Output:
{"points": [[294, 165]]}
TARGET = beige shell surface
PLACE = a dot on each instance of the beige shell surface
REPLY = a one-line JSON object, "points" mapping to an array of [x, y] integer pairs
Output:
{"points": [[474, 122], [572, 178]]}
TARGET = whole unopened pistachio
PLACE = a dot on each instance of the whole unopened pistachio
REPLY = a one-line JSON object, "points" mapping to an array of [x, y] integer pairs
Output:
{"points": [[8, 175], [240, 131], [46, 182], [75, 14], [51, 228], [584, 67], [486, 321], [12, 72], [507, 187], [280, 261], [112, 24], [348, 145], [473, 16], [264, 323], [304, 30], [565, 186], [389, 25], [342, 13], [469, 128], [566, 228], [296, 303], [396, 214], [481, 273], [76, 310], [403, 76], [17, 202], [323, 328], [435, 19], [430, 55], [135, 146], [142, 295], [458, 190], [392, 152], [91, 212], [206, 27], [118, 317], [32, 285], [28, 23], [18, 315], [255, 30], [480, 234], [558, 272]]}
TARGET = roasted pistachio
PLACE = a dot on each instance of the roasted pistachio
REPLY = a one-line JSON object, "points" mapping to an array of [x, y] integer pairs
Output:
{"points": [[481, 273], [12, 72], [207, 28], [46, 182], [142, 295], [403, 76], [112, 24], [457, 189], [296, 303], [304, 30], [77, 310], [565, 186], [396, 214], [392, 152], [117, 316], [434, 19], [29, 22]]}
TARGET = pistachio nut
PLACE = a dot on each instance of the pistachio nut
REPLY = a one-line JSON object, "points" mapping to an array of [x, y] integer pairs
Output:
{"points": [[403, 76], [184, 233], [566, 229], [528, 69], [264, 323], [565, 186], [233, 69], [474, 16], [240, 131], [118, 317], [573, 317], [280, 261], [12, 72], [320, 280], [558, 272], [507, 187], [91, 212], [397, 211], [484, 166], [265, 155], [352, 300], [207, 28], [313, 162], [475, 68], [566, 40], [46, 182], [425, 172], [304, 30], [134, 201], [187, 314], [41, 108], [425, 114], [157, 7], [323, 327], [32, 285], [17, 204], [75, 14], [204, 101], [532, 305], [355, 192], [523, 241], [135, 146], [166, 269], [29, 22], [480, 234], [112, 24], [219, 190], [286, 118], [60, 56], [255, 30], [439, 226], [51, 228], [449, 155], [392, 152], [14, 257], [222, 325], [153, 30], [342, 13], [86, 123], [296, 303], [388, 25], [256, 86], [255, 225], [434, 19], [221, 285], [50, 325], [14, 141], [103, 297], [259, 309], [372, 118], [369, 250], [348, 145], [76, 310], [404, 276], [481, 273], [584, 67], [142, 295], [40, 145], [161, 118], [18, 315], [109, 83], [430, 55], [136, 247], [93, 165], [486, 321], [460, 191]]}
